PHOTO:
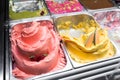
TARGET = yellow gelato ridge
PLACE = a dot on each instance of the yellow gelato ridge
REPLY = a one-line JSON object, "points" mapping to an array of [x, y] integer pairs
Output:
{"points": [[92, 44]]}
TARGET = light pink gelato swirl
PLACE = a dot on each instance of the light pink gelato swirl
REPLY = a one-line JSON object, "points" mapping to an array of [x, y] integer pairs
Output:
{"points": [[36, 49]]}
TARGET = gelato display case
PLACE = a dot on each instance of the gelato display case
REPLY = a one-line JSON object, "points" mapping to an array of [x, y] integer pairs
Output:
{"points": [[60, 40]]}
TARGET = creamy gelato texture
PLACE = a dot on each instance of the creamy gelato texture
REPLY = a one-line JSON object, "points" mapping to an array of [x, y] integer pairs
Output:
{"points": [[57, 7], [109, 19], [35, 49], [115, 35], [26, 9], [86, 41], [97, 4]]}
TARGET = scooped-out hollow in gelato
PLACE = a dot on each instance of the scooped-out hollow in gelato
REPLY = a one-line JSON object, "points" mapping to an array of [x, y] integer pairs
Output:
{"points": [[85, 40], [35, 49]]}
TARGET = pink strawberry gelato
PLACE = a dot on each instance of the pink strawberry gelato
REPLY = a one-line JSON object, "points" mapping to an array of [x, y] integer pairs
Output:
{"points": [[65, 7], [35, 49]]}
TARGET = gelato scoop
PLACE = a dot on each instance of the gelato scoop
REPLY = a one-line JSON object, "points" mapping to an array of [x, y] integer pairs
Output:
{"points": [[57, 7], [85, 41], [35, 49]]}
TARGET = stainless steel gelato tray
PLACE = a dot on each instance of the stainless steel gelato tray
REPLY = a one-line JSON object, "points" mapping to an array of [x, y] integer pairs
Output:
{"points": [[92, 5], [85, 40], [21, 9], [108, 18], [35, 50], [63, 6]]}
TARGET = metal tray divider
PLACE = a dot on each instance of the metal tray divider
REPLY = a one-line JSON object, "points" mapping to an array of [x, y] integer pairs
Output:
{"points": [[85, 71], [7, 56]]}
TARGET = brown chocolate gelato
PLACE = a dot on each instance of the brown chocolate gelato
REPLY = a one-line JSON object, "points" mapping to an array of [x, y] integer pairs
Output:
{"points": [[97, 4]]}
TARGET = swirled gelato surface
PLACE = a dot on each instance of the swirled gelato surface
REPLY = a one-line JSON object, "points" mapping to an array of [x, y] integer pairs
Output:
{"points": [[109, 19], [64, 7], [86, 41], [35, 49]]}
